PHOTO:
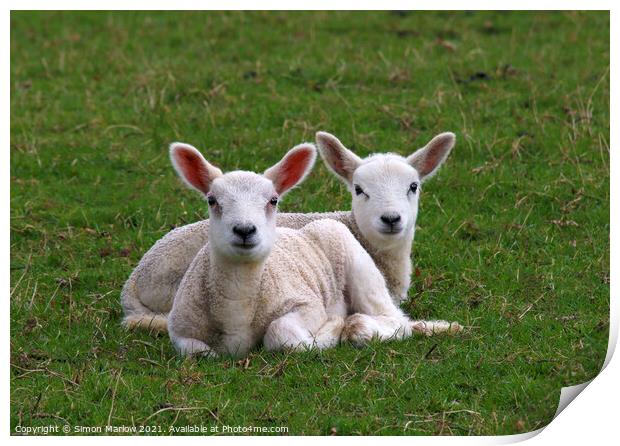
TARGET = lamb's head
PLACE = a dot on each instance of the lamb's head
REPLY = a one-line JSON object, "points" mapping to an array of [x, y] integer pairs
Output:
{"points": [[385, 187], [242, 205]]}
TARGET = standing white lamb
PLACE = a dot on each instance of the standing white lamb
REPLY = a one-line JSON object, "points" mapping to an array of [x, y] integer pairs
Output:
{"points": [[287, 288], [385, 192]]}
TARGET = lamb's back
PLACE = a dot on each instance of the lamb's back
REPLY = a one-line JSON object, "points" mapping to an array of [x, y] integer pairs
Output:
{"points": [[295, 220]]}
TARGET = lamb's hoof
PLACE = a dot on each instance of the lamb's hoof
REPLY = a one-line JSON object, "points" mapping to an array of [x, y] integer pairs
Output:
{"points": [[357, 330], [455, 328]]}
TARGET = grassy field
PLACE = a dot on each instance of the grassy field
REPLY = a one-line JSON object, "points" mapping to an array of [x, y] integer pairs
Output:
{"points": [[513, 237]]}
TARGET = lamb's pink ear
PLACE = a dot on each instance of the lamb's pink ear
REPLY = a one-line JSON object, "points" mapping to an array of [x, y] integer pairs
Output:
{"points": [[338, 158], [429, 158], [191, 166], [293, 168]]}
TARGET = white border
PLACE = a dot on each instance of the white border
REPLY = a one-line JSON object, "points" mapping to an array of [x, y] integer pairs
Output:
{"points": [[592, 417]]}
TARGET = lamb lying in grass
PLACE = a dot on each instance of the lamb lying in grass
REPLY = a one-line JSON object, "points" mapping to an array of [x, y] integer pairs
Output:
{"points": [[290, 289], [385, 191]]}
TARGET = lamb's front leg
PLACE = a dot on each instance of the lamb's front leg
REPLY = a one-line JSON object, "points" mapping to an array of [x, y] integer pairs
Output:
{"points": [[376, 314], [192, 347], [187, 327], [302, 330], [187, 331], [360, 328], [370, 298], [188, 320], [430, 328]]}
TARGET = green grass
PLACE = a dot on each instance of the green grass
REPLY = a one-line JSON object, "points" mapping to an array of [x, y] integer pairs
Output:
{"points": [[513, 236]]}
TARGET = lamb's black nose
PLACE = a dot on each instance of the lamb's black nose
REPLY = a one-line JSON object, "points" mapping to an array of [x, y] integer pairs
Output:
{"points": [[390, 219], [244, 231]]}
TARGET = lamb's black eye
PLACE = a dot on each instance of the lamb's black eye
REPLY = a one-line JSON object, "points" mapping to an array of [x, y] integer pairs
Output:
{"points": [[211, 200], [274, 201], [358, 190], [413, 187]]}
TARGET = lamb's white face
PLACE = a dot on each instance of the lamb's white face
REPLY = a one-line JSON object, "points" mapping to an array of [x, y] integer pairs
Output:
{"points": [[242, 211], [385, 191], [242, 205], [385, 188]]}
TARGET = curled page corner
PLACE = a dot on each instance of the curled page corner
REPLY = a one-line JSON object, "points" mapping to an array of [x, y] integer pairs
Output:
{"points": [[517, 438], [568, 394]]}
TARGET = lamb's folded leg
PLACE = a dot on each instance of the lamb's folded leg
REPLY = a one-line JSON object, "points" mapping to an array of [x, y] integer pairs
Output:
{"points": [[360, 328], [377, 315], [369, 295], [329, 334], [192, 347], [151, 322], [430, 328], [188, 319], [287, 333], [304, 329]]}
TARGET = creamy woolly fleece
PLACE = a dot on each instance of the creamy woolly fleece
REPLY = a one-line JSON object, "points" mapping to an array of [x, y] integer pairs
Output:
{"points": [[395, 267], [149, 292], [304, 273]]}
